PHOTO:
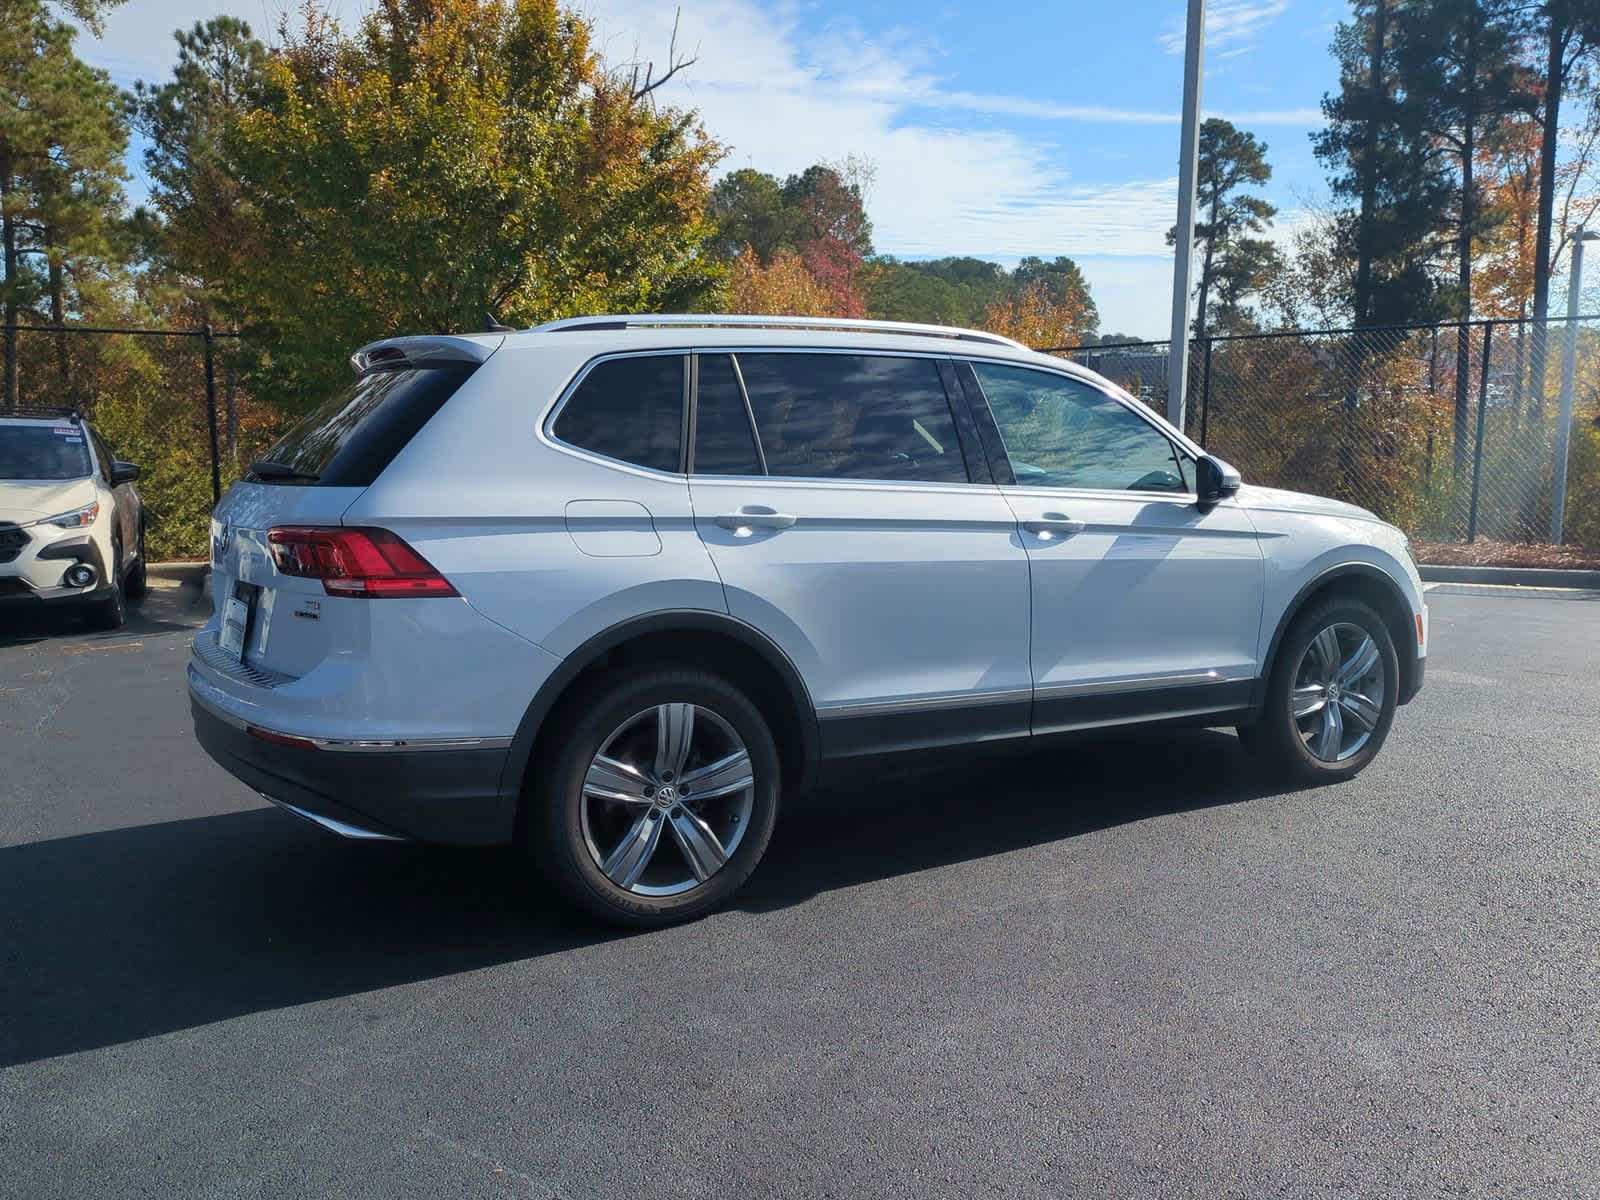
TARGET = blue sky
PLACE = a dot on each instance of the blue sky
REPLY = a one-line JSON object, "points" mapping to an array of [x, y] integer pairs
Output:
{"points": [[996, 130]]}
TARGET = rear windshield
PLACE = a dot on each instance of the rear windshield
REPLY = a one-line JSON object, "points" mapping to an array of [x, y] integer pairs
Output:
{"points": [[353, 437], [44, 452]]}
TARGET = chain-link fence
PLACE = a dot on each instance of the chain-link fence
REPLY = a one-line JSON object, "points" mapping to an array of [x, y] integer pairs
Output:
{"points": [[172, 401], [1448, 431]]}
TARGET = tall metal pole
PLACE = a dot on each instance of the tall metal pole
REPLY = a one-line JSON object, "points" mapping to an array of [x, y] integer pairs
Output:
{"points": [[1569, 364], [1194, 43], [211, 414]]}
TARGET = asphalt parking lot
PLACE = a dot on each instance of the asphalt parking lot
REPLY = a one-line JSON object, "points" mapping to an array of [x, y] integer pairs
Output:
{"points": [[1134, 968]]}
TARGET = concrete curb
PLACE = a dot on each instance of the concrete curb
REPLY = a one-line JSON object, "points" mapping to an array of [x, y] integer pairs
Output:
{"points": [[1512, 576]]}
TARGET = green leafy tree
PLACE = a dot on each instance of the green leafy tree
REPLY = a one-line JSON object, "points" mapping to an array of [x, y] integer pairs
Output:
{"points": [[1232, 263], [748, 208], [1458, 61], [205, 232], [1385, 173], [449, 160], [1064, 286], [1568, 33], [62, 137]]}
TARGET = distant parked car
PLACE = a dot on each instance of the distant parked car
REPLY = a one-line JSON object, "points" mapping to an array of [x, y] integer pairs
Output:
{"points": [[71, 521], [614, 587]]}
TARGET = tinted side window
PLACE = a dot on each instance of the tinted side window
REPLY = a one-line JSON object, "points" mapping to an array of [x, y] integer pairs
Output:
{"points": [[629, 409], [848, 416], [1060, 432], [723, 442], [350, 439]]}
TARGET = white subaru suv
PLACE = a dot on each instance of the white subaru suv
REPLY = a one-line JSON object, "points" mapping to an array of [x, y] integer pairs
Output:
{"points": [[614, 587], [71, 521]]}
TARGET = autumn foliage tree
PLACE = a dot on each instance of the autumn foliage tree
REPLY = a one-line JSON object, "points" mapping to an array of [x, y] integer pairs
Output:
{"points": [[782, 287], [1039, 319], [448, 160]]}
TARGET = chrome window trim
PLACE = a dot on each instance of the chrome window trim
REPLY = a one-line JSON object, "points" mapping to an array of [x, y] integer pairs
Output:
{"points": [[545, 430], [1106, 389]]}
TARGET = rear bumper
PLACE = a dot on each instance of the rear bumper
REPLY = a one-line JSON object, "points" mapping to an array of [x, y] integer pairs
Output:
{"points": [[435, 795]]}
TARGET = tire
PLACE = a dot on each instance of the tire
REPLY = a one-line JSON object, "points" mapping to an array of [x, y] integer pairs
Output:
{"points": [[575, 827], [112, 612], [1328, 748], [138, 583]]}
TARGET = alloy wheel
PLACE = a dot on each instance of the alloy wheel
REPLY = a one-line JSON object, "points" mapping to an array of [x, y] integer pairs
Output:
{"points": [[1338, 693], [667, 799]]}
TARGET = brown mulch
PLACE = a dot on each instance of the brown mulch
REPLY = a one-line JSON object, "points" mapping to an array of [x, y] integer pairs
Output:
{"points": [[1484, 553]]}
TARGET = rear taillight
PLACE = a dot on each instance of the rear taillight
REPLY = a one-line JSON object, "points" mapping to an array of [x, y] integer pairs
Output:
{"points": [[373, 563]]}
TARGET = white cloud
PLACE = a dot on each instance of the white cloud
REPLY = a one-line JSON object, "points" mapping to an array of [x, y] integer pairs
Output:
{"points": [[1228, 22], [781, 99]]}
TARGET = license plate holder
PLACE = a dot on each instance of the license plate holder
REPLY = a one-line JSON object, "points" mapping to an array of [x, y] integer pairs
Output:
{"points": [[236, 614]]}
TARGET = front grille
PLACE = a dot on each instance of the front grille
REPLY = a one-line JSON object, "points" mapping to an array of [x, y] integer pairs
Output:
{"points": [[218, 659], [12, 540]]}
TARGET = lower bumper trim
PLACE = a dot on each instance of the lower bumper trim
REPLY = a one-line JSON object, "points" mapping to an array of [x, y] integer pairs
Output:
{"points": [[342, 828], [452, 796]]}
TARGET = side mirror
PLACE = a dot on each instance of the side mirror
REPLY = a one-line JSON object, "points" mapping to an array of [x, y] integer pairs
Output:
{"points": [[122, 472], [1214, 481]]}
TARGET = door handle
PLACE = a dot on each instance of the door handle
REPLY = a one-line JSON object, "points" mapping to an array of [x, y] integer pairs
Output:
{"points": [[1053, 525], [755, 516]]}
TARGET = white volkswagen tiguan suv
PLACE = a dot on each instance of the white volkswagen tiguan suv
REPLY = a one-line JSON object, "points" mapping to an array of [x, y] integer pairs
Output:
{"points": [[612, 587]]}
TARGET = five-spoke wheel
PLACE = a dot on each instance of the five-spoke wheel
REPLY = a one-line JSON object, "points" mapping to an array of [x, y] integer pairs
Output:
{"points": [[667, 799], [1331, 694], [663, 790]]}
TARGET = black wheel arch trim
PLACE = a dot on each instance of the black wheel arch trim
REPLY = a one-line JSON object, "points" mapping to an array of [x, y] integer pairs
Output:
{"points": [[1405, 650], [520, 756]]}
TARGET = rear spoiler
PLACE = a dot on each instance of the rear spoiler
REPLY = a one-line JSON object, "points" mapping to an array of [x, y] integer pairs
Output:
{"points": [[427, 351]]}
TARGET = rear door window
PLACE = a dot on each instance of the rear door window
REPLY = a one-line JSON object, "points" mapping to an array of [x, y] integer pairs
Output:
{"points": [[723, 441], [350, 439], [629, 409], [853, 416]]}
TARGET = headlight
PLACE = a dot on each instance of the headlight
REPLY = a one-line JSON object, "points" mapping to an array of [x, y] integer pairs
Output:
{"points": [[78, 518]]}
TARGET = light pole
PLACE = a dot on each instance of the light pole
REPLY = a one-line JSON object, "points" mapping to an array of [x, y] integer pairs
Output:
{"points": [[1194, 46], [1569, 366]]}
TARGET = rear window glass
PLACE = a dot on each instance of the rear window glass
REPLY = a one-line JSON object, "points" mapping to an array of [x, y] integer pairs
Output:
{"points": [[354, 436], [630, 409], [44, 452]]}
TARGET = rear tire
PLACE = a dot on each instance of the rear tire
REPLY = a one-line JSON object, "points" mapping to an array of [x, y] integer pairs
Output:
{"points": [[138, 581], [112, 612], [1331, 695], [604, 818]]}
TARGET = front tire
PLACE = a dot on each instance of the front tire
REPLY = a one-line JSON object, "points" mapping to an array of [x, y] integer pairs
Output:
{"points": [[138, 580], [112, 612], [659, 800], [1331, 696]]}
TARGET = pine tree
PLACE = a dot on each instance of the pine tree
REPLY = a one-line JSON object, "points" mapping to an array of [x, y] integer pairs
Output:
{"points": [[62, 137], [1232, 264]]}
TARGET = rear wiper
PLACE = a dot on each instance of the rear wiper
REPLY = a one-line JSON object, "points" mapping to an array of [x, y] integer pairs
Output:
{"points": [[267, 469]]}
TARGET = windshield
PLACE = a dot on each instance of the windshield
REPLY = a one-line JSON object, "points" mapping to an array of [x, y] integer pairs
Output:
{"points": [[43, 452]]}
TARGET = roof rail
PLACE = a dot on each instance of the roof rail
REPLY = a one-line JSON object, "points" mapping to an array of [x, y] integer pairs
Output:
{"points": [[743, 321], [39, 412]]}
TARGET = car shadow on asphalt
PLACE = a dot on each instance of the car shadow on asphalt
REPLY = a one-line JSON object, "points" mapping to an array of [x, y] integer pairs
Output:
{"points": [[26, 625], [128, 933]]}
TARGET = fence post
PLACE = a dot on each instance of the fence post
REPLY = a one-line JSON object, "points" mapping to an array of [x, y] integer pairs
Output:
{"points": [[211, 413], [1477, 450], [1205, 394]]}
